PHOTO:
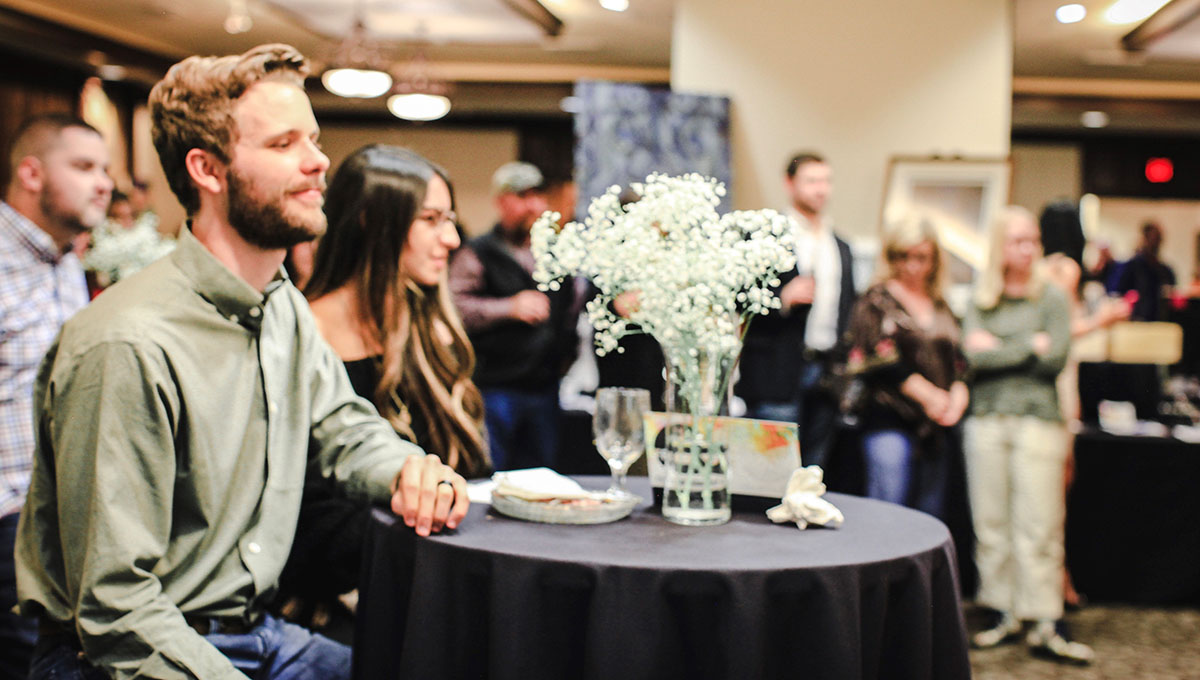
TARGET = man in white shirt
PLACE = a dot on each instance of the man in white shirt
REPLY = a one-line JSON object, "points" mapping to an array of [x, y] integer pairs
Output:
{"points": [[788, 352]]}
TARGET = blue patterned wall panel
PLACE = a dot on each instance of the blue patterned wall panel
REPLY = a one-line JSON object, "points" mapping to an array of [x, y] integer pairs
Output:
{"points": [[624, 132]]}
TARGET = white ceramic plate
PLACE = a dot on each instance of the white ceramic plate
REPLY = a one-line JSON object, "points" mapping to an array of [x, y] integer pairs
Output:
{"points": [[609, 509]]}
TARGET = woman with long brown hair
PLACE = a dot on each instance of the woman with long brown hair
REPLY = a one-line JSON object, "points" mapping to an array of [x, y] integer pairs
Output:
{"points": [[379, 297], [378, 293]]}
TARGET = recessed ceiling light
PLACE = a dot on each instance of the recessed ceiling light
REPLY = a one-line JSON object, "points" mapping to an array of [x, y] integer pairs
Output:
{"points": [[1129, 11], [615, 5], [1094, 119], [1070, 14]]}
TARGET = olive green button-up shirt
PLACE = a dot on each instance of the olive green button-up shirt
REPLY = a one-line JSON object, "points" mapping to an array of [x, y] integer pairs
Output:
{"points": [[174, 415]]}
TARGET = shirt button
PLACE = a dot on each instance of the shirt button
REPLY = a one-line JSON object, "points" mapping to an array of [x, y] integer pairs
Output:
{"points": [[233, 318], [272, 408], [254, 548], [255, 311]]}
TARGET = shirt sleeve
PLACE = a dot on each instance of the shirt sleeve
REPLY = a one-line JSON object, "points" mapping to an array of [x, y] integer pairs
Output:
{"points": [[874, 352], [466, 282], [354, 444], [1013, 352], [109, 419], [1056, 322]]}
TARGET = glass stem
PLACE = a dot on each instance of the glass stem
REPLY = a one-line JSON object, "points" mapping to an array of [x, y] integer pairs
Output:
{"points": [[618, 475]]}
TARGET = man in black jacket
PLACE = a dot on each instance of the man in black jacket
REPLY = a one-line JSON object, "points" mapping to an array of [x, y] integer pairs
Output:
{"points": [[788, 353], [522, 336]]}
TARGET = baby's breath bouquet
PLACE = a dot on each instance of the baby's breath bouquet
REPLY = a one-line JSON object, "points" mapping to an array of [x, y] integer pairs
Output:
{"points": [[116, 251], [669, 265]]}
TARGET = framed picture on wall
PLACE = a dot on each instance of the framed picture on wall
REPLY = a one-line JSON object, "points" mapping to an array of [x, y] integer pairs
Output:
{"points": [[962, 196]]}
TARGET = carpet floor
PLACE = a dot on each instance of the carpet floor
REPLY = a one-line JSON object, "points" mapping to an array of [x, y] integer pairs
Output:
{"points": [[1131, 643]]}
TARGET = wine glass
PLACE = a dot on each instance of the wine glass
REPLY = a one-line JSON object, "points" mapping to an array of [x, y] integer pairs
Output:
{"points": [[617, 425]]}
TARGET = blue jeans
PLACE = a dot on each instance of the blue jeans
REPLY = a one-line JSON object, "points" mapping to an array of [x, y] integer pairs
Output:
{"points": [[17, 633], [273, 650], [897, 473], [522, 427]]}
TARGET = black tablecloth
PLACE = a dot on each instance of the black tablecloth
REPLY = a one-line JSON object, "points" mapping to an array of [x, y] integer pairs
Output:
{"points": [[643, 598], [1133, 519]]}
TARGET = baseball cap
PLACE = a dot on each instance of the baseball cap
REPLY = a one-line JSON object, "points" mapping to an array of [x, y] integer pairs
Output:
{"points": [[515, 177]]}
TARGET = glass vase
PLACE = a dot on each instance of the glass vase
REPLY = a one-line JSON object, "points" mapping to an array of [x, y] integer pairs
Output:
{"points": [[695, 457]]}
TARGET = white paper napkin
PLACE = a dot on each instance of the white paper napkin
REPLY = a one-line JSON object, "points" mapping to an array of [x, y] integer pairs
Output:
{"points": [[802, 502], [539, 484]]}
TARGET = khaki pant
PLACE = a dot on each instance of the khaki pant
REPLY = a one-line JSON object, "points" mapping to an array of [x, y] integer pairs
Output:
{"points": [[1015, 478]]}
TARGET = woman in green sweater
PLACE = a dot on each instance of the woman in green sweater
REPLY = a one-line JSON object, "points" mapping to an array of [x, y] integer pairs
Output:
{"points": [[1017, 334]]}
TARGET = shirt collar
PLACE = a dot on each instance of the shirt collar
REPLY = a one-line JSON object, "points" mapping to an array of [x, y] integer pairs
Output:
{"points": [[233, 297], [30, 235], [802, 221]]}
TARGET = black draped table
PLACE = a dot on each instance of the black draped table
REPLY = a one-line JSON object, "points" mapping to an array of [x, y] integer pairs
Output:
{"points": [[643, 598], [1133, 519]]}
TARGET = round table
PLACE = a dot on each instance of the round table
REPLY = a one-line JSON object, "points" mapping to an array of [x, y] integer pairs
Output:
{"points": [[643, 598]]}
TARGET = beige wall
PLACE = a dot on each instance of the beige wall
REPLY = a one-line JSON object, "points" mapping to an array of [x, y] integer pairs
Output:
{"points": [[860, 81], [1045, 172], [469, 155]]}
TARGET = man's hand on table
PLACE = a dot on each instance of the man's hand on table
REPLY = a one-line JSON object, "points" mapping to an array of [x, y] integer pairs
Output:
{"points": [[423, 500]]}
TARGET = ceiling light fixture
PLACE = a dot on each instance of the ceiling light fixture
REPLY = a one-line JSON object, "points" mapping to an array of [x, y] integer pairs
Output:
{"points": [[1070, 14], [615, 5], [239, 20], [418, 95], [356, 65], [1130, 11], [571, 104], [1094, 119]]}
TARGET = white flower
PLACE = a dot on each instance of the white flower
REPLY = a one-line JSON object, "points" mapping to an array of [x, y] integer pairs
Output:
{"points": [[117, 252], [699, 276]]}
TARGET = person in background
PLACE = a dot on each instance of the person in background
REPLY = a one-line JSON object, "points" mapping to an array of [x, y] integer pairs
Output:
{"points": [[379, 297], [1062, 245], [139, 201], [175, 412], [789, 352], [1018, 333], [524, 339], [299, 263], [120, 210], [125, 243], [58, 191], [905, 344], [1146, 274]]}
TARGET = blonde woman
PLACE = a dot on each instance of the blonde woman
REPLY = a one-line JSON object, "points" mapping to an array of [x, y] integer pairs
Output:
{"points": [[904, 343], [379, 297], [1018, 332]]}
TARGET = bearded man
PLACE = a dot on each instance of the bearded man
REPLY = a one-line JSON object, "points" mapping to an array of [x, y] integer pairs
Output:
{"points": [[175, 413], [58, 190]]}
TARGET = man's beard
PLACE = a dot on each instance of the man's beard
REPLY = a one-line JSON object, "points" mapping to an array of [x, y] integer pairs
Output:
{"points": [[263, 223], [51, 202]]}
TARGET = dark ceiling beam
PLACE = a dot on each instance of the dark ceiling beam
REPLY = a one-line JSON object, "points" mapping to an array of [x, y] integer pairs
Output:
{"points": [[538, 14], [54, 43], [1168, 19]]}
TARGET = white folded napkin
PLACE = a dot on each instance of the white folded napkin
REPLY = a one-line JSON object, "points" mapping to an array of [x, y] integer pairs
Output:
{"points": [[539, 484], [802, 502]]}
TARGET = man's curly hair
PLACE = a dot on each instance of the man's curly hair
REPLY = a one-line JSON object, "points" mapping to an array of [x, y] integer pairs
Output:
{"points": [[192, 106]]}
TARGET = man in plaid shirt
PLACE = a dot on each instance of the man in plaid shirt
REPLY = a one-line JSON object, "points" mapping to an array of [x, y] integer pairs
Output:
{"points": [[58, 189]]}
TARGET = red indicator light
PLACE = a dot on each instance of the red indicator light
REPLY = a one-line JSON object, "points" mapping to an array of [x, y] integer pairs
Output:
{"points": [[1160, 170]]}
